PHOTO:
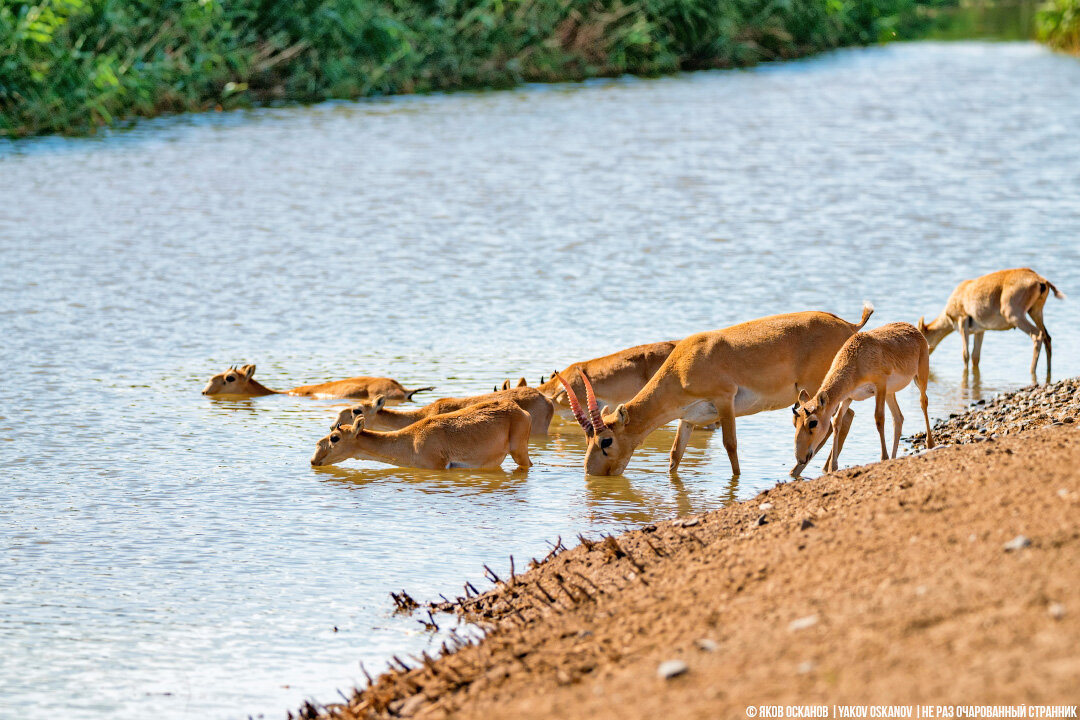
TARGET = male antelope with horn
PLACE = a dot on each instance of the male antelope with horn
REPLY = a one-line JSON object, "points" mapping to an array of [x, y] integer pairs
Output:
{"points": [[241, 381], [876, 363], [478, 436], [1001, 300], [616, 377], [715, 377], [378, 417]]}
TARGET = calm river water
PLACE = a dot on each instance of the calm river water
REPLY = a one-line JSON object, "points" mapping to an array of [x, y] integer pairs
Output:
{"points": [[168, 555]]}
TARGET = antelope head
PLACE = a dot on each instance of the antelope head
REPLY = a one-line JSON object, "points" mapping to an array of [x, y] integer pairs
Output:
{"points": [[609, 448], [812, 427], [363, 411], [337, 446], [231, 382]]}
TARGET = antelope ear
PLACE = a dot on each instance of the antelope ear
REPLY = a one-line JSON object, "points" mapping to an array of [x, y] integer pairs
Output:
{"points": [[380, 403], [247, 371], [354, 429], [522, 382], [822, 399], [795, 409], [922, 324], [506, 384], [541, 379], [621, 415], [804, 397]]}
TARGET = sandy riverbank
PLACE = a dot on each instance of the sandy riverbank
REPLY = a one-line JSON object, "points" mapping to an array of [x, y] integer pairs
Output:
{"points": [[947, 577]]}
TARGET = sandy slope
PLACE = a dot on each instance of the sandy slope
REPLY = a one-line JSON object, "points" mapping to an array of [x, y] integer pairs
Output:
{"points": [[887, 583]]}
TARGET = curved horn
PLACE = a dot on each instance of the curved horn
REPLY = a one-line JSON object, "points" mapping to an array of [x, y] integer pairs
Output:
{"points": [[594, 410], [582, 419]]}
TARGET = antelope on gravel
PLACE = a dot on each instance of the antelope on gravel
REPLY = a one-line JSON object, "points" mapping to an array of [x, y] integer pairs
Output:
{"points": [[478, 436], [241, 381], [616, 378], [715, 377], [378, 417], [1001, 300], [876, 363]]}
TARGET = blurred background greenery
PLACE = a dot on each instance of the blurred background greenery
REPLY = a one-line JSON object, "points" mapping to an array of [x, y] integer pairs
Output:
{"points": [[70, 66]]}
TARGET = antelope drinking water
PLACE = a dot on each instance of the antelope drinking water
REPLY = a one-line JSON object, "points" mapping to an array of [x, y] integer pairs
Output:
{"points": [[478, 436], [715, 376], [378, 417], [877, 364], [1001, 300]]}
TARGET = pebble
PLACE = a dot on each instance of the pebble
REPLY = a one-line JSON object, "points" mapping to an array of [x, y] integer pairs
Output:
{"points": [[1029, 407], [706, 644], [802, 623], [1056, 610], [765, 506], [672, 669], [805, 667], [806, 524], [1017, 543]]}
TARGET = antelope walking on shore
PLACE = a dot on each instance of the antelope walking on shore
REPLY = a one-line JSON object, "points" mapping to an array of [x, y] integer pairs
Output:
{"points": [[478, 436], [876, 363], [715, 377], [378, 417], [1001, 300], [241, 381]]}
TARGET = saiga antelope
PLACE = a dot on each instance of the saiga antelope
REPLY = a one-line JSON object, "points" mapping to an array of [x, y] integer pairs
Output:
{"points": [[716, 376], [478, 436], [241, 381], [378, 417], [876, 363], [616, 378], [1001, 300]]}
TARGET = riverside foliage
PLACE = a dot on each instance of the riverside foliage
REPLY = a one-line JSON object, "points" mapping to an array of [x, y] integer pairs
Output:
{"points": [[1059, 25], [70, 66]]}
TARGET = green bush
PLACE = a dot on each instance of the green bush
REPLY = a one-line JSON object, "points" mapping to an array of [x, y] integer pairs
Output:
{"points": [[1059, 25], [69, 66]]}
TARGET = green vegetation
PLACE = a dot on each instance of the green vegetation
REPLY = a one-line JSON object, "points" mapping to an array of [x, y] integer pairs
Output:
{"points": [[70, 66], [1059, 25]]}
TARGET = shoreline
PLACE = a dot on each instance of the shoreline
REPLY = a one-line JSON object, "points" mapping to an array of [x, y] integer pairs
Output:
{"points": [[942, 577]]}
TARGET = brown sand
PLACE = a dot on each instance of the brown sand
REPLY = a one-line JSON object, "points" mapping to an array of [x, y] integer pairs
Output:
{"points": [[888, 583]]}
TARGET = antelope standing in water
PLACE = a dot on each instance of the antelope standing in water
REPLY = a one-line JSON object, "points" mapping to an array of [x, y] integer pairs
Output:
{"points": [[877, 364], [241, 381], [378, 417], [1001, 300], [478, 436], [715, 377], [616, 378]]}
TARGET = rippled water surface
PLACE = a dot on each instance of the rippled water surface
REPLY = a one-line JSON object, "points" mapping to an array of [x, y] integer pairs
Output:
{"points": [[168, 555]]}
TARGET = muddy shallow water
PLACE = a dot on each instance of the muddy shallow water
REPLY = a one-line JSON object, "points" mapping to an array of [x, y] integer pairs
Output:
{"points": [[172, 555]]}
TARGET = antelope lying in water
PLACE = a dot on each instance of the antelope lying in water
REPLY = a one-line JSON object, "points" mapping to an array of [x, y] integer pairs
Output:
{"points": [[715, 376], [378, 417], [616, 378], [1001, 300], [877, 364], [241, 381], [478, 436]]}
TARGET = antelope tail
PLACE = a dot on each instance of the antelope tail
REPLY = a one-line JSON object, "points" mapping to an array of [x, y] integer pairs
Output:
{"points": [[867, 311], [1057, 293], [410, 393]]}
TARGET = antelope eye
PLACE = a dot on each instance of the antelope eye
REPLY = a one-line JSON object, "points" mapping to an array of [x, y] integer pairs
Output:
{"points": [[605, 443], [231, 378], [812, 424], [334, 438]]}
